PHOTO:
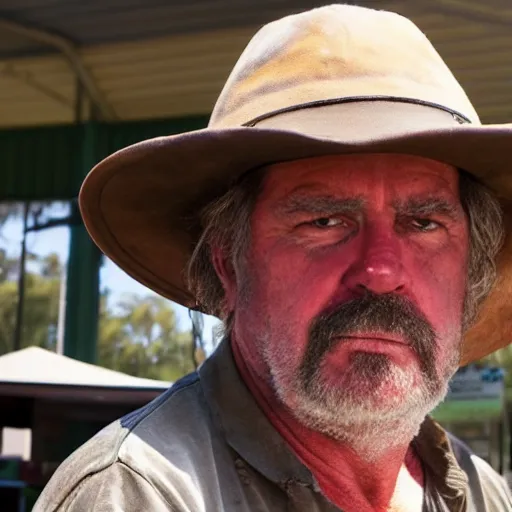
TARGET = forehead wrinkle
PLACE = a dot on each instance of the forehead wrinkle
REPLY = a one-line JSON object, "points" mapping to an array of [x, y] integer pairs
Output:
{"points": [[323, 204]]}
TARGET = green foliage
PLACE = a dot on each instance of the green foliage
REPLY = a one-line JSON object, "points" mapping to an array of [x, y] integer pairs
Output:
{"points": [[138, 335], [40, 312]]}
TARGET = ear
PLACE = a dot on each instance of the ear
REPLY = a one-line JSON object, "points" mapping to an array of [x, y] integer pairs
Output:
{"points": [[226, 274]]}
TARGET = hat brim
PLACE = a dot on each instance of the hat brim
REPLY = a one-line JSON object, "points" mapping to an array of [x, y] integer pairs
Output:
{"points": [[140, 205]]}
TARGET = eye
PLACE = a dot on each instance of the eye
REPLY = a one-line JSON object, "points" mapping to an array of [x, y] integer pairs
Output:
{"points": [[328, 222], [425, 224]]}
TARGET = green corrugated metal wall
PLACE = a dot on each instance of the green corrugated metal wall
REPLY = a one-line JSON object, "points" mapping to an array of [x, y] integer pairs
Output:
{"points": [[50, 163], [39, 163], [46, 163]]}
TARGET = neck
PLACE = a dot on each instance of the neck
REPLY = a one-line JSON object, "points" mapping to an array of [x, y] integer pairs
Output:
{"points": [[349, 480]]}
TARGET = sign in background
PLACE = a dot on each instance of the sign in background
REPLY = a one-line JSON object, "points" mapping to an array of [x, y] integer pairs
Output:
{"points": [[475, 394]]}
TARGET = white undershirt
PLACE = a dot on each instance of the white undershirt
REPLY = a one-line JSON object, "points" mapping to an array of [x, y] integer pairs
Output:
{"points": [[408, 494]]}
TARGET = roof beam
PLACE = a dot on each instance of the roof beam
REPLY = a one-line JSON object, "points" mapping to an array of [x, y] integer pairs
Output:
{"points": [[70, 52], [475, 11], [28, 78]]}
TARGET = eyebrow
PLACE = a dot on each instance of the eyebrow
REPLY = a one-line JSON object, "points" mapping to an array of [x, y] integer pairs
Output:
{"points": [[330, 205], [426, 206], [324, 205]]}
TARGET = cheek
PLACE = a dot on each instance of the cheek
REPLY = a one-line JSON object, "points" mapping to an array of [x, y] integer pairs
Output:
{"points": [[302, 281], [438, 283], [288, 290]]}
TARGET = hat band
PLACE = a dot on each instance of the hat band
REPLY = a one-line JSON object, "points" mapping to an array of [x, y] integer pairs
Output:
{"points": [[461, 118], [362, 121]]}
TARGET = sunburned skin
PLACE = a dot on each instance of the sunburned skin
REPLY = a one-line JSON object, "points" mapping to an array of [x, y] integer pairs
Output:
{"points": [[335, 231], [392, 484]]}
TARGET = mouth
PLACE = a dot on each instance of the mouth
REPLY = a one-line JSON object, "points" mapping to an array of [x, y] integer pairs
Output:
{"points": [[375, 337], [392, 345]]}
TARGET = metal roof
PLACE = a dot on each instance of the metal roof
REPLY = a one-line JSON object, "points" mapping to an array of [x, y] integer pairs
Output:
{"points": [[106, 21], [35, 365], [158, 59]]}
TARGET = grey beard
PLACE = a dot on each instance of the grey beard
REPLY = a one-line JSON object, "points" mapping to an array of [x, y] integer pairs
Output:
{"points": [[348, 412]]}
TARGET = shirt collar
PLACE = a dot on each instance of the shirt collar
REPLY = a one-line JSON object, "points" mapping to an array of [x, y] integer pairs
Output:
{"points": [[246, 429], [441, 467], [251, 435]]}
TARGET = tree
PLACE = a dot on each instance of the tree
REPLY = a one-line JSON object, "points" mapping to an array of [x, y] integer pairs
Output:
{"points": [[8, 266], [142, 339], [40, 307], [51, 266], [138, 335]]}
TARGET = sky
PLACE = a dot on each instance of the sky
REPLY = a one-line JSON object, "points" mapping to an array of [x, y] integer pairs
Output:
{"points": [[56, 240]]}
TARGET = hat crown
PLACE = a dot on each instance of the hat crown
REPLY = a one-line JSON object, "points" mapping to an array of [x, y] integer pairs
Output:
{"points": [[336, 52]]}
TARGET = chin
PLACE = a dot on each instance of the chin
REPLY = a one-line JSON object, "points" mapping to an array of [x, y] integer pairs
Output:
{"points": [[380, 393], [370, 378], [363, 401]]}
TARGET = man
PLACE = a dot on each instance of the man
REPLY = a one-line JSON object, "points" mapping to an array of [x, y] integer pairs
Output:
{"points": [[348, 239]]}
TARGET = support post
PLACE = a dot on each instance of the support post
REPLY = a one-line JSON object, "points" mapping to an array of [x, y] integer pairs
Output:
{"points": [[82, 282], [20, 307]]}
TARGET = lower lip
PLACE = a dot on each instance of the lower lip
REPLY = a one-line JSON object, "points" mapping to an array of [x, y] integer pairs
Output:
{"points": [[397, 350]]}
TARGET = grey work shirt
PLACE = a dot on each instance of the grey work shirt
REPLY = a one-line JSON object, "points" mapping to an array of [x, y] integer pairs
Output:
{"points": [[204, 445]]}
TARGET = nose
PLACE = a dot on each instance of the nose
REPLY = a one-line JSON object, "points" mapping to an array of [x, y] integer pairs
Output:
{"points": [[378, 267]]}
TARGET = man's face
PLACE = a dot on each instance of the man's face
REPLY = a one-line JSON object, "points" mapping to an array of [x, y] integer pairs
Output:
{"points": [[350, 298]]}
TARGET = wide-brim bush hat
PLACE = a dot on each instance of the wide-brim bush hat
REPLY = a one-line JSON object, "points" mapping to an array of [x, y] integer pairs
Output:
{"points": [[335, 80]]}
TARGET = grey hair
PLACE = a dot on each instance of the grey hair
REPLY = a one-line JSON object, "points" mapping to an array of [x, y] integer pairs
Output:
{"points": [[226, 225], [486, 237]]}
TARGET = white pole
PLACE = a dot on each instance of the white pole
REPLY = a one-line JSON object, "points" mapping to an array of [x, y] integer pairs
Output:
{"points": [[62, 311]]}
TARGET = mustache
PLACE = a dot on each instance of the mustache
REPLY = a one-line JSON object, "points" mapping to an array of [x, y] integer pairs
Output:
{"points": [[388, 313]]}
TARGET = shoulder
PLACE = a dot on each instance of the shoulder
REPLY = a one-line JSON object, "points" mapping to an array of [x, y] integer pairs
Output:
{"points": [[484, 482], [115, 487], [138, 462]]}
